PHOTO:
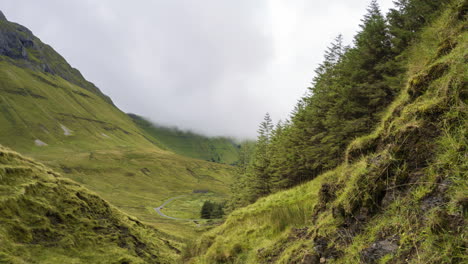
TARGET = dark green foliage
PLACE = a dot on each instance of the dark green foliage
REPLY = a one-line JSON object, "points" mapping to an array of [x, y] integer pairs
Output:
{"points": [[408, 17], [254, 175], [212, 210], [206, 210], [217, 211]]}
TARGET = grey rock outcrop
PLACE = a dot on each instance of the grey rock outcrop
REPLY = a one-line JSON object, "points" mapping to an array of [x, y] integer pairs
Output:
{"points": [[14, 43]]}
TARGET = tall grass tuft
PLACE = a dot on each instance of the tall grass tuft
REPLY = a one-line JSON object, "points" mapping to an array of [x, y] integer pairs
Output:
{"points": [[293, 215]]}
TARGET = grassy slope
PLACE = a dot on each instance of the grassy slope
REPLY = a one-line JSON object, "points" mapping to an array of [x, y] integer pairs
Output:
{"points": [[217, 149], [104, 151], [46, 218], [400, 197], [190, 205]]}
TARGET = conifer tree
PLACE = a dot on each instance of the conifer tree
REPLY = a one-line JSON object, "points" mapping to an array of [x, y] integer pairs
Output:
{"points": [[366, 65], [261, 161], [278, 154]]}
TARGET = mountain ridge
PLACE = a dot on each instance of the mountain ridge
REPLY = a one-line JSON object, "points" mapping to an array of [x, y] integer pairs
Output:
{"points": [[20, 44]]}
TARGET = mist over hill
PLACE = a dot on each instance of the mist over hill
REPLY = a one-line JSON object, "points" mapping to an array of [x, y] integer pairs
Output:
{"points": [[215, 149]]}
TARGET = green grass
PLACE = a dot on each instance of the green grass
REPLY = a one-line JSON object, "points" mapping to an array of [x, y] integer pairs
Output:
{"points": [[189, 206], [405, 184], [186, 143]]}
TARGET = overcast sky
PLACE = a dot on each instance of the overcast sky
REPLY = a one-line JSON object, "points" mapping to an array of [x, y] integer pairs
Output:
{"points": [[212, 66]]}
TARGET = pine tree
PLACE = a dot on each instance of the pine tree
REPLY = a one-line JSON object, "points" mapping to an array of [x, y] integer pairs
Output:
{"points": [[332, 57], [362, 87], [278, 155], [296, 148], [261, 160], [265, 129]]}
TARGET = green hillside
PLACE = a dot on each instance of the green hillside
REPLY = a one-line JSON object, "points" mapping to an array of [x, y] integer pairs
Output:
{"points": [[186, 143], [400, 196], [53, 115], [371, 167], [46, 218]]}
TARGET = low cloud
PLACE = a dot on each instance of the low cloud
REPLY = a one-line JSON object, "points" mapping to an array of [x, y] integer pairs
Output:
{"points": [[212, 66]]}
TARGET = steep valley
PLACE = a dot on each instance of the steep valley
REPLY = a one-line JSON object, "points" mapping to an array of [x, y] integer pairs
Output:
{"points": [[83, 182]]}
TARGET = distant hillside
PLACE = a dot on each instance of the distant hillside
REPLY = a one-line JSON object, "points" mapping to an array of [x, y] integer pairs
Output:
{"points": [[49, 112], [215, 149], [48, 219]]}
